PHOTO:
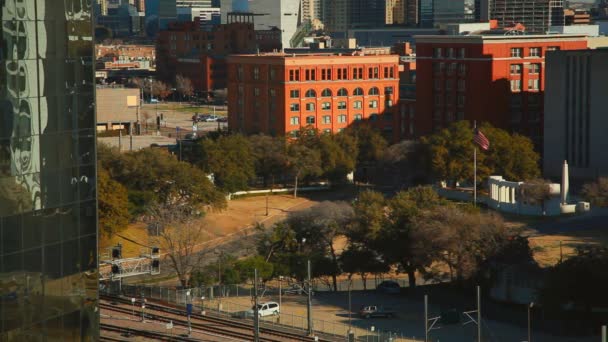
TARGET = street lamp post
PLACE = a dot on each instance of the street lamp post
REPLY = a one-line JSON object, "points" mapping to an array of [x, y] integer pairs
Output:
{"points": [[189, 311], [530, 321], [349, 306], [280, 292], [203, 305]]}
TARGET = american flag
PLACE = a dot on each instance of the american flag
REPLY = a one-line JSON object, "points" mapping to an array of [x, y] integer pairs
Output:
{"points": [[481, 140]]}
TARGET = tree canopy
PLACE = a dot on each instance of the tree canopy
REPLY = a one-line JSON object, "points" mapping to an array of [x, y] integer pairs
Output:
{"points": [[153, 176], [229, 158], [449, 154], [113, 204], [596, 192]]}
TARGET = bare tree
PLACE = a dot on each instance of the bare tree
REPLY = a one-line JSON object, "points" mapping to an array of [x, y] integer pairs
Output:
{"points": [[460, 239], [180, 235], [184, 86], [597, 192], [160, 89]]}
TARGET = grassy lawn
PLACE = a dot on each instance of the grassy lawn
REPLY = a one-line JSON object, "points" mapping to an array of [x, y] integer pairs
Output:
{"points": [[187, 108]]}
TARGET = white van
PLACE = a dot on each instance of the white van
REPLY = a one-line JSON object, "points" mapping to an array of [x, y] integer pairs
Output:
{"points": [[266, 309]]}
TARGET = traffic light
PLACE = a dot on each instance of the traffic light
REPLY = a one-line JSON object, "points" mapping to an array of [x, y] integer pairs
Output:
{"points": [[117, 252], [115, 269]]}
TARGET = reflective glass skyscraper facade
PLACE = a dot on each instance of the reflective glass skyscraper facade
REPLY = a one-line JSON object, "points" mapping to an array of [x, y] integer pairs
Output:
{"points": [[48, 223]]}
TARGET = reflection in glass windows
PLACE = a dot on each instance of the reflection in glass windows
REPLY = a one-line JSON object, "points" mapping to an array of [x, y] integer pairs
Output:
{"points": [[48, 225]]}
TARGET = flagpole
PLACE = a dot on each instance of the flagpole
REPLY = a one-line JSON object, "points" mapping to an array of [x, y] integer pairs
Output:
{"points": [[475, 168]]}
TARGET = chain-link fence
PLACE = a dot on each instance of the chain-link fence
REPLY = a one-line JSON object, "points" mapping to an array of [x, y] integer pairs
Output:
{"points": [[213, 300]]}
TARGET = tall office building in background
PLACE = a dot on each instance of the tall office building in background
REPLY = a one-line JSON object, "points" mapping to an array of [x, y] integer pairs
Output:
{"points": [[48, 224], [536, 15]]}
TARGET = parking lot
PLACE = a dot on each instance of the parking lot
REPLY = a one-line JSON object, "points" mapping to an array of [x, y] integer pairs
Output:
{"points": [[332, 307]]}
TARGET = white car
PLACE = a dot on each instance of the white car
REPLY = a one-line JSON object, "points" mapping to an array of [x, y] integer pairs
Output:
{"points": [[212, 118], [266, 309]]}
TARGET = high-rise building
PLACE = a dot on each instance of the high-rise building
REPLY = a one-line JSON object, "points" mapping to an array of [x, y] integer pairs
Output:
{"points": [[282, 14], [425, 13], [367, 13], [575, 120], [334, 14], [395, 11], [536, 15], [48, 209], [411, 12], [433, 13], [311, 10], [499, 79]]}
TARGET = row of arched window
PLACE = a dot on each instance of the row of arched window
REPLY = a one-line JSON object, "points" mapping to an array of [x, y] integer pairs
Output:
{"points": [[342, 92]]}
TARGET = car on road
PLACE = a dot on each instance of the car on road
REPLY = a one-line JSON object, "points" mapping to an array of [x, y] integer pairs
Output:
{"points": [[199, 117], [369, 311], [265, 309], [222, 119], [211, 118], [190, 136], [389, 286]]}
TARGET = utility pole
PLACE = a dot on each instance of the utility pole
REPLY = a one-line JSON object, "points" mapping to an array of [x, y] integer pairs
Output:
{"points": [[256, 313], [119, 140], [426, 318], [429, 323], [309, 311], [131, 136], [478, 314], [469, 315], [530, 321]]}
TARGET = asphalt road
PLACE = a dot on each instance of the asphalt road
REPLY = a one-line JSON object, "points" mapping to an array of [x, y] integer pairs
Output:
{"points": [[596, 219]]}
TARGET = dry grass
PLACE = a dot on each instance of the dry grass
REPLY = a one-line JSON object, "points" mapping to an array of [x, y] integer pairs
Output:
{"points": [[240, 215], [548, 249]]}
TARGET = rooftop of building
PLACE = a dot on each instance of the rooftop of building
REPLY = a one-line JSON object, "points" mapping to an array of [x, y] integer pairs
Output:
{"points": [[500, 36], [316, 54]]}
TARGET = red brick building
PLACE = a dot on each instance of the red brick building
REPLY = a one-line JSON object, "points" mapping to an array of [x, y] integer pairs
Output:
{"points": [[280, 94], [488, 78], [200, 55]]}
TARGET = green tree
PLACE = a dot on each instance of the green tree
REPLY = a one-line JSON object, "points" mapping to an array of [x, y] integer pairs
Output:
{"points": [[113, 204], [156, 177], [449, 154], [270, 154], [302, 161], [362, 261], [596, 192], [338, 155], [370, 143], [370, 217], [511, 156], [412, 249], [246, 268], [229, 158]]}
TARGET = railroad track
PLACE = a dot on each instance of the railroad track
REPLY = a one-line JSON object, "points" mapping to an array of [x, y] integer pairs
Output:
{"points": [[135, 332], [232, 329], [270, 334]]}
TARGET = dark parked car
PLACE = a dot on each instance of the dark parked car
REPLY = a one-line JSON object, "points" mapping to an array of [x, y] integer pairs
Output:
{"points": [[370, 311], [199, 117], [389, 286]]}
